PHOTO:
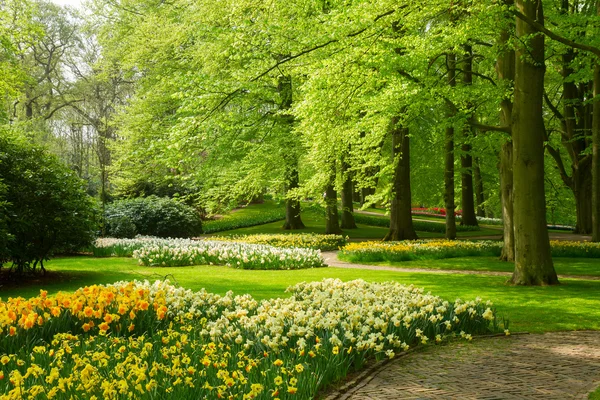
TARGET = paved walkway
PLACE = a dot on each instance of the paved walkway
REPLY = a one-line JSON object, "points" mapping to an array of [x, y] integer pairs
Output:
{"points": [[563, 365]]}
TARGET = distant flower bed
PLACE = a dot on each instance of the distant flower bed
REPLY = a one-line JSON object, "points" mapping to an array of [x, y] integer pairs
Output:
{"points": [[418, 249], [301, 240], [421, 226], [438, 249], [432, 211], [157, 252], [151, 341], [233, 221], [565, 248]]}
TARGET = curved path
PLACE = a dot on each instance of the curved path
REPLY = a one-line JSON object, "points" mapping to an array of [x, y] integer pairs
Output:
{"points": [[559, 365], [552, 366], [332, 260]]}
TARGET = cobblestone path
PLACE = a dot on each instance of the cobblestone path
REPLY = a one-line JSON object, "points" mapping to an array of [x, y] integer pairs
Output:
{"points": [[563, 365]]}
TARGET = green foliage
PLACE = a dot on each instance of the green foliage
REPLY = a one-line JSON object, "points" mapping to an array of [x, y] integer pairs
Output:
{"points": [[420, 226], [154, 216], [46, 207]]}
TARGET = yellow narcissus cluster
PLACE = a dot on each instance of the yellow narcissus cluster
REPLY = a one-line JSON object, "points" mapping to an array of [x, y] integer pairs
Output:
{"points": [[303, 240], [153, 340], [410, 250]]}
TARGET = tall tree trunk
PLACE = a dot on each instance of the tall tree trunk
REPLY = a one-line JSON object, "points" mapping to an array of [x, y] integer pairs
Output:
{"points": [[582, 190], [466, 159], [332, 224], [356, 198], [505, 68], [449, 157], [479, 194], [293, 219], [596, 153], [533, 261], [347, 197], [401, 226], [596, 149], [506, 191]]}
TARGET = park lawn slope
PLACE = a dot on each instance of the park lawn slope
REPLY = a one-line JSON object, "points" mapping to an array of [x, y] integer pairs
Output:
{"points": [[563, 265], [569, 306]]}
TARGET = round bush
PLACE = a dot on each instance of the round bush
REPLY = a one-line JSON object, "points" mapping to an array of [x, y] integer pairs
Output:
{"points": [[154, 216], [46, 209]]}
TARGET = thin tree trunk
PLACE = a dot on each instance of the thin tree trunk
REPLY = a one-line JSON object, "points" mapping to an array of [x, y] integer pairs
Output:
{"points": [[466, 159], [449, 158], [582, 190], [479, 194], [401, 226], [596, 153], [533, 261], [332, 224], [347, 197], [293, 219]]}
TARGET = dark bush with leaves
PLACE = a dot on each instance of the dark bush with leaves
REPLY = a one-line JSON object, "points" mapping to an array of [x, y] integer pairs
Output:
{"points": [[154, 216], [45, 207]]}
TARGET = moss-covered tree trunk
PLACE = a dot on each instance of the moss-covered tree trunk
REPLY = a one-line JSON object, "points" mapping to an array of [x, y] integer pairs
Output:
{"points": [[466, 159], [533, 261], [506, 193], [332, 224], [347, 197], [596, 153], [293, 219], [449, 157], [401, 226], [505, 68], [479, 193]]}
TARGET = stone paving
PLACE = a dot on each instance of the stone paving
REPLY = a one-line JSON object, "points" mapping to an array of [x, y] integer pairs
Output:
{"points": [[559, 365], [562, 365]]}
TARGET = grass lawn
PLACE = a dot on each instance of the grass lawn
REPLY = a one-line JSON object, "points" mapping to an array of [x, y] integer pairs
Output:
{"points": [[563, 266], [569, 306], [315, 223], [595, 395]]}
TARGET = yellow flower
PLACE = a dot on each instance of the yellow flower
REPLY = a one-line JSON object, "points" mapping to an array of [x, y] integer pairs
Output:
{"points": [[278, 381], [278, 363]]}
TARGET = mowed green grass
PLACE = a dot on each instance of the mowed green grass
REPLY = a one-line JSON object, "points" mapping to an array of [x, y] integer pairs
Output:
{"points": [[315, 223], [573, 305], [563, 266]]}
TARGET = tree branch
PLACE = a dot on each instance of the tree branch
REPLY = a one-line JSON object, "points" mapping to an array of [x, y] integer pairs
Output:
{"points": [[561, 166], [494, 128], [541, 28]]}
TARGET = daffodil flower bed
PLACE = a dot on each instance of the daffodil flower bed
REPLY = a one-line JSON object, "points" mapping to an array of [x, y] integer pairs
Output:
{"points": [[438, 249], [157, 252], [417, 250], [301, 240], [565, 248], [142, 340]]}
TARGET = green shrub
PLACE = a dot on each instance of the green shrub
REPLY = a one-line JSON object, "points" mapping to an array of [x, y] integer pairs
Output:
{"points": [[45, 206], [421, 226], [154, 216]]}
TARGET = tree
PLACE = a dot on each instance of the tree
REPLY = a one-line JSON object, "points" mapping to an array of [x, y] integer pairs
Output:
{"points": [[533, 262], [47, 206]]}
